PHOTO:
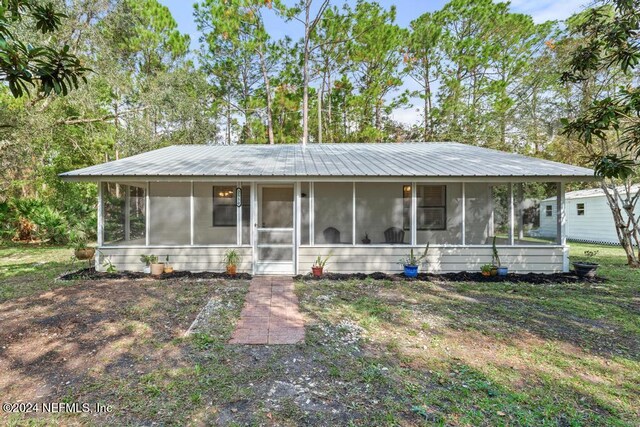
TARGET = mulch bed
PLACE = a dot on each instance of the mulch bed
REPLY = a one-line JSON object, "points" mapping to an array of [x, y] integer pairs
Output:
{"points": [[464, 276], [92, 274]]}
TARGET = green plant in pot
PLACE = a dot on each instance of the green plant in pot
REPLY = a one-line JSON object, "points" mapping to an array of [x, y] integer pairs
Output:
{"points": [[586, 269], [318, 265], [412, 262], [155, 268], [231, 260], [486, 270], [147, 261], [168, 268], [497, 265], [81, 249]]}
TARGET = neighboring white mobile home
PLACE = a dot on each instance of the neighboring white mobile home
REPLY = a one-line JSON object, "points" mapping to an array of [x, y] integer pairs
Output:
{"points": [[283, 205], [589, 217]]}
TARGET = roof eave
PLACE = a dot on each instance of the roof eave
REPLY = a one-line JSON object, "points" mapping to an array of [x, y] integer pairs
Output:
{"points": [[449, 178]]}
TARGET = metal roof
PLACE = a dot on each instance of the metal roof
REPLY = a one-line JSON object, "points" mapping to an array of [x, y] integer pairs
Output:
{"points": [[419, 159]]}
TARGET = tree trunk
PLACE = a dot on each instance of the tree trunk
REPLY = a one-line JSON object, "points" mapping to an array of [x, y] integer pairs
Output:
{"points": [[628, 233], [228, 123], [267, 88], [305, 77], [428, 131]]}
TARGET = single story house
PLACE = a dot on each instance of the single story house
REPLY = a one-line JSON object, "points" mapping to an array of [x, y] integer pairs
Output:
{"points": [[589, 217], [282, 206]]}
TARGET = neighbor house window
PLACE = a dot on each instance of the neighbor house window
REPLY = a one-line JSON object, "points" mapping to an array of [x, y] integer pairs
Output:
{"points": [[431, 207], [549, 210], [224, 206], [580, 208]]}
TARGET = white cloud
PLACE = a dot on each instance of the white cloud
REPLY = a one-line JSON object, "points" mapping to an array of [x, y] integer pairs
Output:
{"points": [[409, 116], [546, 10]]}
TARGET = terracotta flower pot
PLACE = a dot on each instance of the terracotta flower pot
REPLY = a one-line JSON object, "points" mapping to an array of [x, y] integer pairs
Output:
{"points": [[85, 253], [486, 273], [168, 268], [232, 270], [157, 269], [317, 271]]}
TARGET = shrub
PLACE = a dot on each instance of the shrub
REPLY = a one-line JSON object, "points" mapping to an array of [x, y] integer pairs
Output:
{"points": [[51, 225]]}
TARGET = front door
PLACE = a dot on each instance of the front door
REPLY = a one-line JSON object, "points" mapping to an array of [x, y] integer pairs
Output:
{"points": [[275, 232]]}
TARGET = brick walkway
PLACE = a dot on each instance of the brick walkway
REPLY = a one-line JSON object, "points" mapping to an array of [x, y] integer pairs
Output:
{"points": [[270, 314]]}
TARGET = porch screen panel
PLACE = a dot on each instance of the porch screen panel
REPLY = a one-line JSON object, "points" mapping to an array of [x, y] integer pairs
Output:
{"points": [[169, 216], [439, 213], [215, 218], [121, 229], [381, 210], [246, 214], [333, 213], [137, 214], [305, 214], [113, 211], [478, 214], [536, 220]]}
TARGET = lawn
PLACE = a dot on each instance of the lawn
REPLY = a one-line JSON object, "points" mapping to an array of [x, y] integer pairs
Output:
{"points": [[376, 352]]}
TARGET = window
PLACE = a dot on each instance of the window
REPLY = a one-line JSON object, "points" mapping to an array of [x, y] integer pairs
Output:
{"points": [[549, 210], [580, 208], [224, 206], [431, 207]]}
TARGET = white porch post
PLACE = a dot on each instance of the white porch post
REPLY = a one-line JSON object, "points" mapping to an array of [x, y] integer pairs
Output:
{"points": [[353, 216], [511, 216], [463, 229], [414, 213], [127, 213], [100, 230], [191, 215], [254, 226], [147, 210], [492, 214], [298, 222], [238, 214], [561, 231], [312, 213]]}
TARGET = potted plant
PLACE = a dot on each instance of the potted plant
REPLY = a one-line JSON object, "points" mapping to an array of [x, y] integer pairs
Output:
{"points": [[318, 265], [157, 268], [497, 266], [231, 261], [486, 270], [146, 260], [81, 250], [411, 262], [366, 239], [167, 267], [586, 269]]}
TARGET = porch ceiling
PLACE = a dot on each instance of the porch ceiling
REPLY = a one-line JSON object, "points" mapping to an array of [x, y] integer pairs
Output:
{"points": [[340, 161]]}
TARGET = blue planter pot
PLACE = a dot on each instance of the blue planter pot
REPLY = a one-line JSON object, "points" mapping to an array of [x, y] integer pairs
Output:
{"points": [[411, 270], [502, 271]]}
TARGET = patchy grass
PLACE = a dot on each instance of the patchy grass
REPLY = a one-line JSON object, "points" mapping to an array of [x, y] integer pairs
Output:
{"points": [[499, 353], [375, 353], [27, 269]]}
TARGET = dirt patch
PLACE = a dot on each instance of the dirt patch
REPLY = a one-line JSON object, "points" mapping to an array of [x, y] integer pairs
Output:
{"points": [[463, 276], [62, 338], [92, 274]]}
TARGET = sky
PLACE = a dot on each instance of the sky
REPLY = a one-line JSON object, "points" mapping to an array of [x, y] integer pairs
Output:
{"points": [[407, 11]]}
